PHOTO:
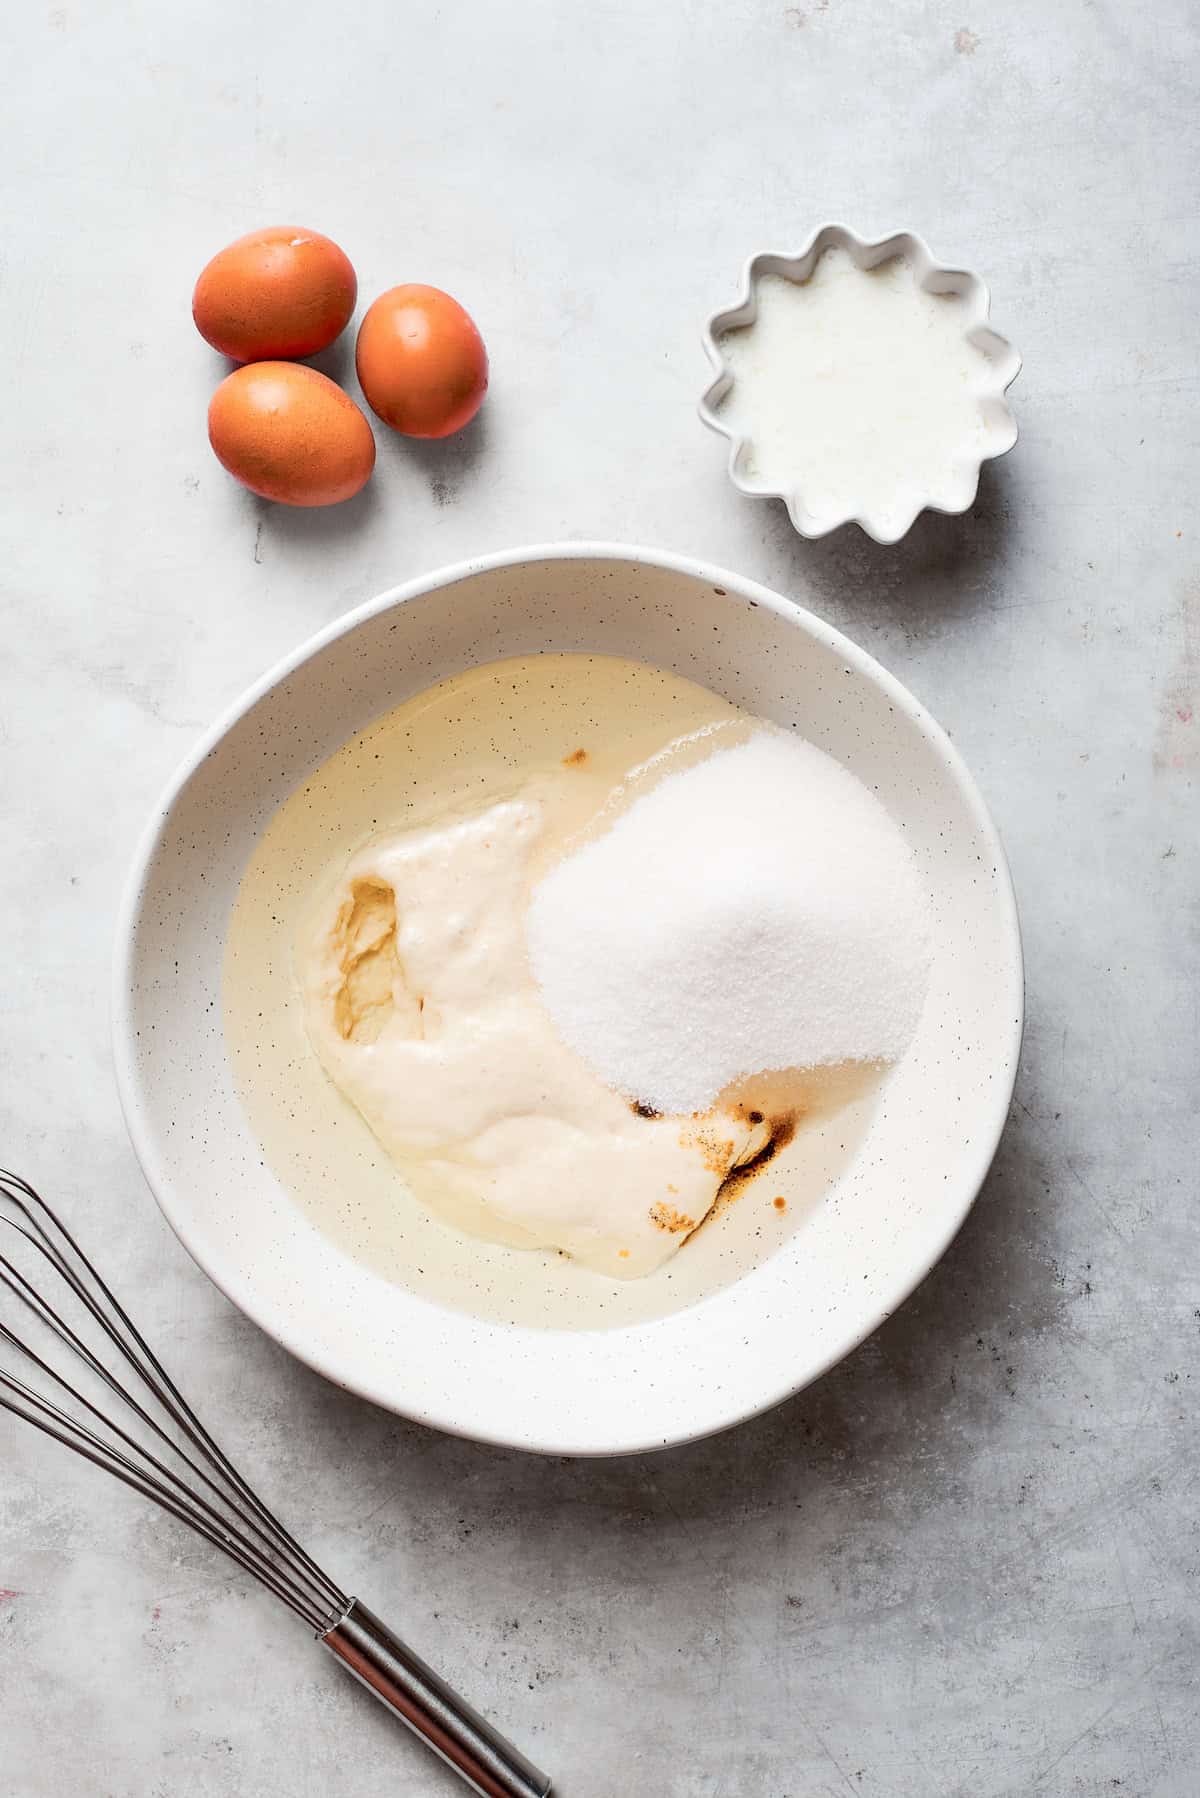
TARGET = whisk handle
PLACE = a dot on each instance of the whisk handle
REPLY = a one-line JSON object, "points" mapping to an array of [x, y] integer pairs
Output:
{"points": [[490, 1765]]}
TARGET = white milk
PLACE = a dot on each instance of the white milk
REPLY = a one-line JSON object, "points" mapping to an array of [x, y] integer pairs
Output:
{"points": [[858, 390]]}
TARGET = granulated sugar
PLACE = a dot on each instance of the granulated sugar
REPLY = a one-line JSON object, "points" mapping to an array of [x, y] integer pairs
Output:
{"points": [[759, 911]]}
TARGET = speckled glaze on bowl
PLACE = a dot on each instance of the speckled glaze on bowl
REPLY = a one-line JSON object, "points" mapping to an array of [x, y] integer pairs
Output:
{"points": [[864, 1247], [886, 523]]}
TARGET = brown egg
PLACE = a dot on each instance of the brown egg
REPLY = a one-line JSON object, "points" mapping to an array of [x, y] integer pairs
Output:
{"points": [[290, 434], [421, 361], [281, 291]]}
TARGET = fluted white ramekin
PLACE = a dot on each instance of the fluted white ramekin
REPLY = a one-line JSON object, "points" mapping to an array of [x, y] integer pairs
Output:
{"points": [[885, 522]]}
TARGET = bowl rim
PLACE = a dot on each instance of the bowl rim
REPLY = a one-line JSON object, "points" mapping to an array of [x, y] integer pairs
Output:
{"points": [[241, 1292]]}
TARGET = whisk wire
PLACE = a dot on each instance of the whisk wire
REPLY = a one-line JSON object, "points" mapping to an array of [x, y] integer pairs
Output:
{"points": [[276, 1558], [158, 1483], [47, 1315], [157, 1446], [56, 1423]]}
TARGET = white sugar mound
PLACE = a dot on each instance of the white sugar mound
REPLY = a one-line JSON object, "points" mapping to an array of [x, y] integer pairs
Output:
{"points": [[759, 911]]}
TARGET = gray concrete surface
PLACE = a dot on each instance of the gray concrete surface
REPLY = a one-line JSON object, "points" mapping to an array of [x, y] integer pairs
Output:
{"points": [[965, 1564]]}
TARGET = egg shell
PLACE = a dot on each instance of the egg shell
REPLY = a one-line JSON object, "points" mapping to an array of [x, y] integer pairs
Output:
{"points": [[289, 434], [280, 291], [421, 361]]}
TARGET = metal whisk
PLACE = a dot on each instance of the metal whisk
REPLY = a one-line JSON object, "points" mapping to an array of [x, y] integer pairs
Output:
{"points": [[138, 1427]]}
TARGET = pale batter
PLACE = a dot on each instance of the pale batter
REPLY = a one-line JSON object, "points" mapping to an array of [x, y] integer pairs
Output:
{"points": [[420, 1003]]}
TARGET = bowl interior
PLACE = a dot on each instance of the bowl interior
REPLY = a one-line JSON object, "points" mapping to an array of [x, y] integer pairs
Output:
{"points": [[863, 1248]]}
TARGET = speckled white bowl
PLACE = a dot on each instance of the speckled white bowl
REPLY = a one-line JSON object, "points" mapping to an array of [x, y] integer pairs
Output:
{"points": [[884, 520], [848, 1265]]}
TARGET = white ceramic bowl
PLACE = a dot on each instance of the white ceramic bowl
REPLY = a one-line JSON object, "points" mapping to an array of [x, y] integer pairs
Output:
{"points": [[886, 518], [848, 1265]]}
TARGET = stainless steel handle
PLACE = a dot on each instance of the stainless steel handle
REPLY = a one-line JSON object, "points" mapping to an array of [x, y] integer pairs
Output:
{"points": [[432, 1710]]}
